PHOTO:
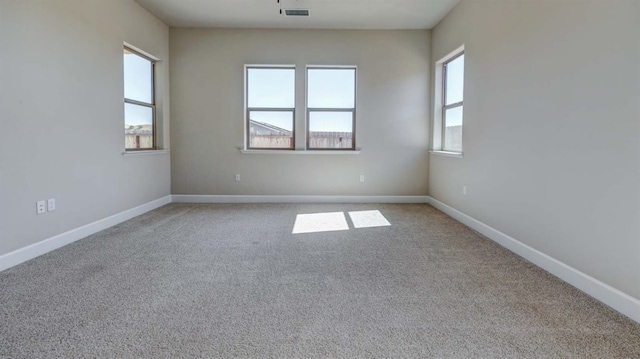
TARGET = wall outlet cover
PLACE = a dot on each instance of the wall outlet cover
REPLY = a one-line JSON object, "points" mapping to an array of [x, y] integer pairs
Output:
{"points": [[40, 207]]}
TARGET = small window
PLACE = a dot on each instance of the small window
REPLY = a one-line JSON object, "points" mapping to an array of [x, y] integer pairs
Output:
{"points": [[270, 108], [452, 110], [331, 108], [139, 101]]}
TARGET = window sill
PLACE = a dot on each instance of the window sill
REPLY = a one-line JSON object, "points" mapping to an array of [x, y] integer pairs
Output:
{"points": [[447, 154], [300, 152], [144, 153]]}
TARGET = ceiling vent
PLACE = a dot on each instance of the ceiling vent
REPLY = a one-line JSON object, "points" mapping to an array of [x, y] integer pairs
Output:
{"points": [[296, 12]]}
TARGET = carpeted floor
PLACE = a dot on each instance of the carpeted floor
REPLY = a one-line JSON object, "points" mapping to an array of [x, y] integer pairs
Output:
{"points": [[233, 281]]}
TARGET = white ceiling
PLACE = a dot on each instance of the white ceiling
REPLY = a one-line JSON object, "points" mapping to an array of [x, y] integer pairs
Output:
{"points": [[325, 14]]}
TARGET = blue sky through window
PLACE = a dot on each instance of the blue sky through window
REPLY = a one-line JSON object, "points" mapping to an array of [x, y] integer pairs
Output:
{"points": [[454, 117], [137, 115], [138, 86], [330, 121], [271, 88], [331, 88], [455, 80]]}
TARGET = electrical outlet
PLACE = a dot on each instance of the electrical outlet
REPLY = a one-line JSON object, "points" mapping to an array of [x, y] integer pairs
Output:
{"points": [[40, 207], [464, 190], [51, 204], [361, 178], [237, 177]]}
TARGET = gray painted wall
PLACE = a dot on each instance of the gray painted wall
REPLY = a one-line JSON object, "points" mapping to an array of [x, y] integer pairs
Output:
{"points": [[552, 129], [61, 115], [207, 105]]}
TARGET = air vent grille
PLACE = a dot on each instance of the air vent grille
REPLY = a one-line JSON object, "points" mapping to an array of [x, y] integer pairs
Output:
{"points": [[296, 12]]}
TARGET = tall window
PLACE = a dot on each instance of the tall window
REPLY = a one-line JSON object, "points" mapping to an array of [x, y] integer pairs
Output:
{"points": [[139, 101], [453, 90], [270, 107], [331, 108]]}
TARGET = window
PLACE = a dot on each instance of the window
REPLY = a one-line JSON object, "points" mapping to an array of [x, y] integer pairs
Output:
{"points": [[139, 101], [331, 108], [452, 103], [270, 99]]}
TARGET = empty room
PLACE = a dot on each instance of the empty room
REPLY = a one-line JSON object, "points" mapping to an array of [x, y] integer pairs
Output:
{"points": [[320, 179]]}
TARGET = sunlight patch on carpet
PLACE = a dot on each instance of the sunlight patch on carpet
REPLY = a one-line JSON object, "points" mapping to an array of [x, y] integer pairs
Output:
{"points": [[320, 222], [366, 219]]}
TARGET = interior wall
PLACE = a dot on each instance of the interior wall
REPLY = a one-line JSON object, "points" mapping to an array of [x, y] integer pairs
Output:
{"points": [[62, 115], [207, 103], [551, 136]]}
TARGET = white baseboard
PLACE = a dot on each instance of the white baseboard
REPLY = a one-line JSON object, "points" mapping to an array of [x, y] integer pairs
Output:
{"points": [[185, 198], [605, 293], [37, 249]]}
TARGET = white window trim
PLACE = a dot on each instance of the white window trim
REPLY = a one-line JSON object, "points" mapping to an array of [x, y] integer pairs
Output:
{"points": [[438, 104], [144, 152], [245, 130], [139, 50], [304, 124], [301, 152], [355, 107], [447, 154], [158, 96]]}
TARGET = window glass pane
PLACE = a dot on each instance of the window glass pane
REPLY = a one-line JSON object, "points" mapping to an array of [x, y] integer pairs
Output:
{"points": [[331, 88], [330, 129], [455, 80], [271, 88], [138, 82], [453, 130], [138, 126], [271, 129]]}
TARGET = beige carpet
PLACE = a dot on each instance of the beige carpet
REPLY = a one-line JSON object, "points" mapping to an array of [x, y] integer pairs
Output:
{"points": [[233, 281]]}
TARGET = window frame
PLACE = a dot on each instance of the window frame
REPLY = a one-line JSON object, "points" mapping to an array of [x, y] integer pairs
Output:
{"points": [[445, 107], [441, 107], [151, 105], [248, 109], [328, 109]]}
